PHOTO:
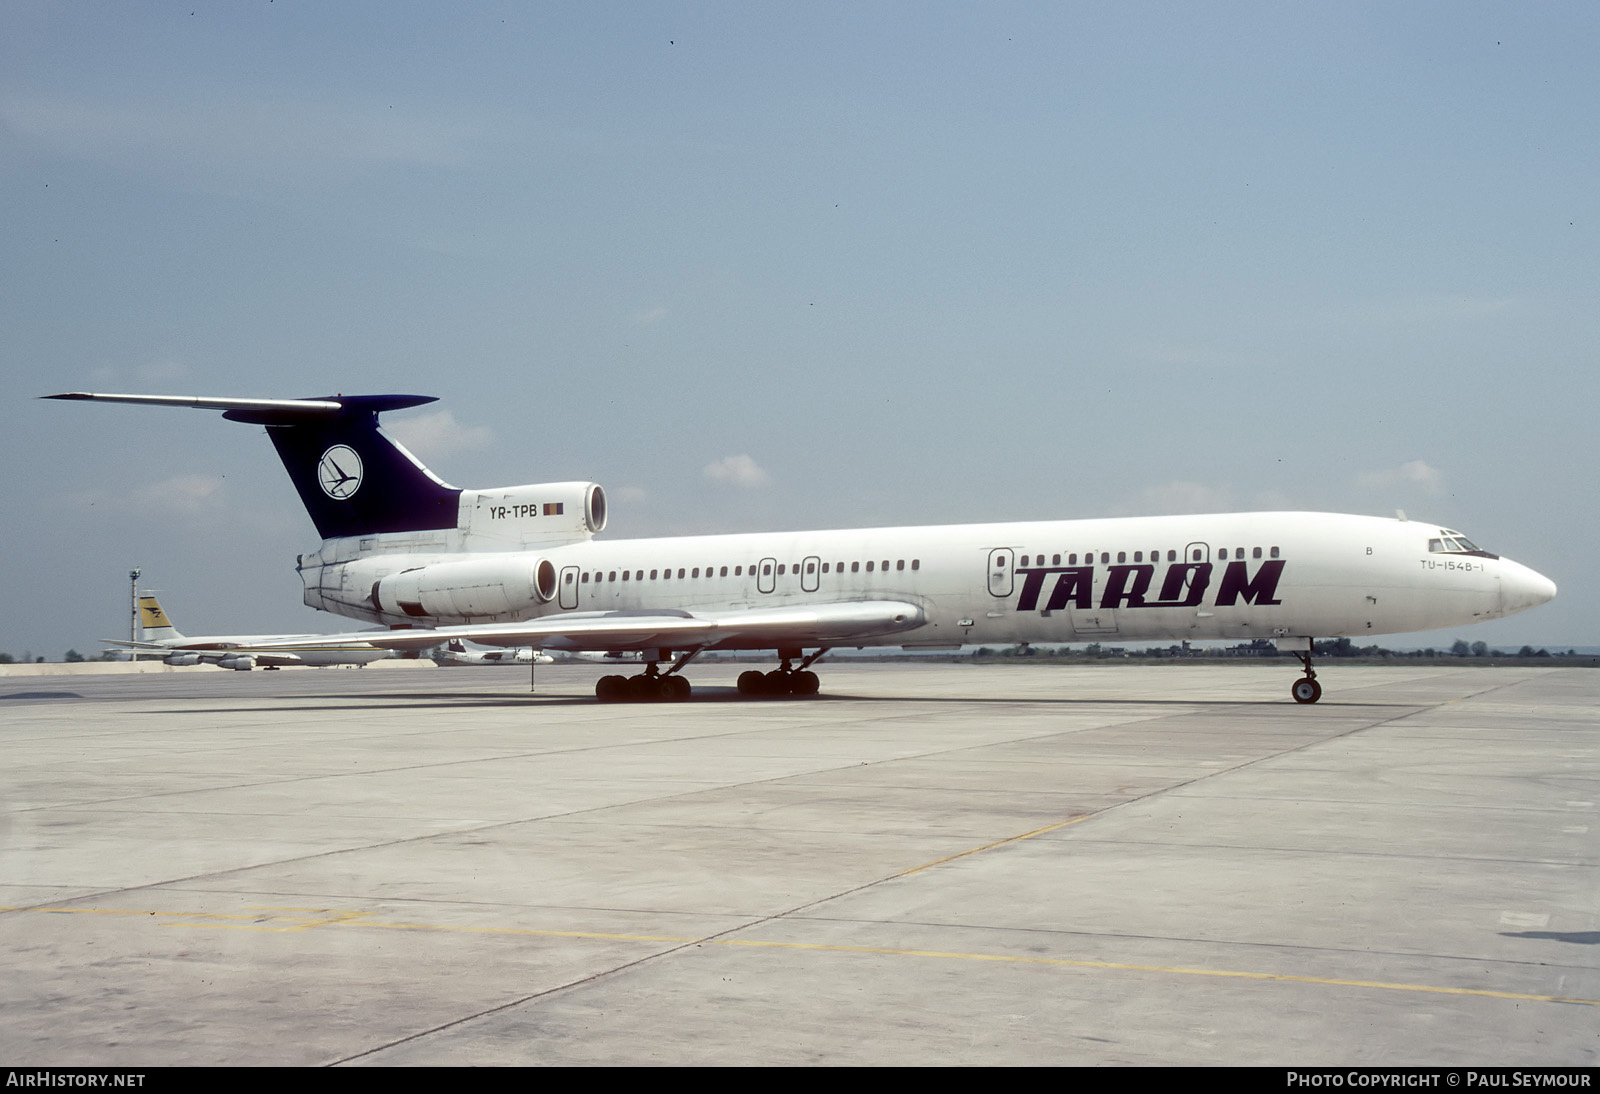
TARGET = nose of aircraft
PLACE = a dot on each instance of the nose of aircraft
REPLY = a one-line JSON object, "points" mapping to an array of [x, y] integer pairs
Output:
{"points": [[1522, 588]]}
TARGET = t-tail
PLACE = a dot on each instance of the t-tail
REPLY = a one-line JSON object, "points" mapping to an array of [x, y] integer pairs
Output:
{"points": [[352, 478], [358, 482]]}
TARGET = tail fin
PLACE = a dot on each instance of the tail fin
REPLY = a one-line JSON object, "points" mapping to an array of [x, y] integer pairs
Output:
{"points": [[157, 627], [353, 479]]}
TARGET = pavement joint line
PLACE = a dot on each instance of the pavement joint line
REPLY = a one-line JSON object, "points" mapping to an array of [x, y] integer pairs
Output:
{"points": [[992, 846], [329, 917]]}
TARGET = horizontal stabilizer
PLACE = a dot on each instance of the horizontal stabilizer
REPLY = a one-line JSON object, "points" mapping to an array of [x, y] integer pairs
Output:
{"points": [[261, 411]]}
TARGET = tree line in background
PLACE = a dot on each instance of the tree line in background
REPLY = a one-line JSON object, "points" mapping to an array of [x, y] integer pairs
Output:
{"points": [[73, 657], [1263, 647]]}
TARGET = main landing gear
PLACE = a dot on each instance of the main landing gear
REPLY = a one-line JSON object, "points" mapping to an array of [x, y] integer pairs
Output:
{"points": [[651, 685], [1306, 689], [654, 686], [783, 680], [648, 686]]}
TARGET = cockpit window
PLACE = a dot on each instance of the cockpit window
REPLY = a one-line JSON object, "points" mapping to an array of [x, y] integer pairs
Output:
{"points": [[1448, 542]]}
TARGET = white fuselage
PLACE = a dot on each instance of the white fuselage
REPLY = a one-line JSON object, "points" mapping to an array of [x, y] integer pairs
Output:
{"points": [[1225, 576]]}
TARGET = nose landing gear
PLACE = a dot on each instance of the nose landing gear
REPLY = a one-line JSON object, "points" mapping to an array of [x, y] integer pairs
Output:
{"points": [[1306, 689]]}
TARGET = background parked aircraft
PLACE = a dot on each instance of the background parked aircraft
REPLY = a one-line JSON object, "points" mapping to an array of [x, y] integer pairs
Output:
{"points": [[458, 651], [239, 651]]}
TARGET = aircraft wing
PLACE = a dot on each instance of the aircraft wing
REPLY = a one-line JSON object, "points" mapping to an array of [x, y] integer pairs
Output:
{"points": [[749, 628], [333, 643]]}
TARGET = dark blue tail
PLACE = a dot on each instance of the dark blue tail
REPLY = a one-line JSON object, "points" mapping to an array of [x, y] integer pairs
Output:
{"points": [[354, 480]]}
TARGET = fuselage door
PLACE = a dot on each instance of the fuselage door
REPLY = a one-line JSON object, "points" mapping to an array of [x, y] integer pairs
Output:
{"points": [[810, 574], [1002, 564], [1197, 552], [568, 597], [767, 576]]}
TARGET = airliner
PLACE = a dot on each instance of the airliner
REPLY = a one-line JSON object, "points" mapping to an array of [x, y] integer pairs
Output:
{"points": [[458, 651], [520, 566], [241, 652]]}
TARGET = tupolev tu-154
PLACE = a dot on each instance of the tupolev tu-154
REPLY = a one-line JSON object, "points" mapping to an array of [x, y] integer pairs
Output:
{"points": [[521, 566]]}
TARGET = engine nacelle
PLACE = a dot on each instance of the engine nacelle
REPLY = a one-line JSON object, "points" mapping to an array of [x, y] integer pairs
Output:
{"points": [[239, 662], [485, 588], [181, 659]]}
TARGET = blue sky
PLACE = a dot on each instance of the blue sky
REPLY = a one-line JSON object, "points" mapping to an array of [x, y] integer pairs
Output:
{"points": [[779, 266]]}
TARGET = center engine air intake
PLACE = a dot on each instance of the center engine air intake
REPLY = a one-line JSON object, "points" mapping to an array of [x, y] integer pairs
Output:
{"points": [[536, 514]]}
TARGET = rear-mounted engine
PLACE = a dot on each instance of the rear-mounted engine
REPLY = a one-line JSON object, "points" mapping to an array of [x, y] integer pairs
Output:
{"points": [[484, 588]]}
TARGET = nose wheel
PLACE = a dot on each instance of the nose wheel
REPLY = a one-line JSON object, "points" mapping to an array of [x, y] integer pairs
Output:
{"points": [[1306, 689]]}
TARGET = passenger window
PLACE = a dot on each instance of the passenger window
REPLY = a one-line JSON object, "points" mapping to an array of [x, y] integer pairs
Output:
{"points": [[1055, 560], [916, 564], [1105, 557], [652, 575], [1255, 553], [900, 564], [766, 569], [624, 575], [1172, 556], [1138, 556], [869, 567], [1274, 552], [855, 567]]}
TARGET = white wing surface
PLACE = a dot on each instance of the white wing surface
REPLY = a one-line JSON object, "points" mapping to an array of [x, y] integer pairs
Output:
{"points": [[751, 628]]}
